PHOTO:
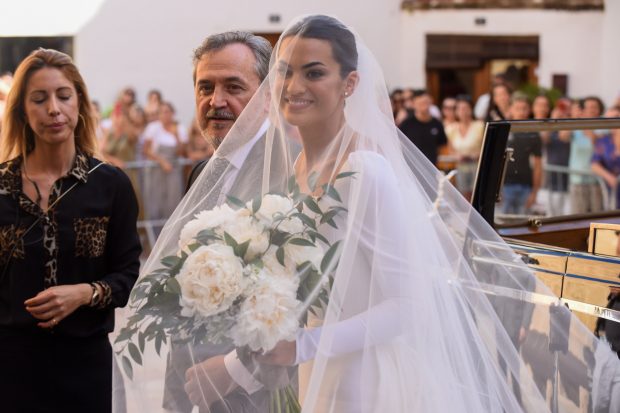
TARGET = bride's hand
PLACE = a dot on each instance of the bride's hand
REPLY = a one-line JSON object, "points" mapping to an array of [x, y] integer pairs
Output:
{"points": [[283, 354], [208, 382]]}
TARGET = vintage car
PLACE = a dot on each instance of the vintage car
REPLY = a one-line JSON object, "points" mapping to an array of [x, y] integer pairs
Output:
{"points": [[577, 256]]}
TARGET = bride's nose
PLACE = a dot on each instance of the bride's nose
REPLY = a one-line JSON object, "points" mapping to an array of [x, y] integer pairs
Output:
{"points": [[295, 84]]}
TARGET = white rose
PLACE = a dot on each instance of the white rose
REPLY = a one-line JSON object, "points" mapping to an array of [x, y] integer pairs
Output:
{"points": [[208, 219], [276, 204], [211, 279], [268, 314]]}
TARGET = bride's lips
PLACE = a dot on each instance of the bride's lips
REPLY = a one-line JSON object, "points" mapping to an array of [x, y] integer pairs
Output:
{"points": [[297, 103]]}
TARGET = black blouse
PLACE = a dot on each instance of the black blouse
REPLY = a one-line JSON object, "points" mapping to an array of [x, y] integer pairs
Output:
{"points": [[88, 235]]}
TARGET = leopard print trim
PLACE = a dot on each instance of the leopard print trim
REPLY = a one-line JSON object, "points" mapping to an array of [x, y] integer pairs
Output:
{"points": [[80, 167], [10, 177], [9, 236], [106, 295], [90, 236]]}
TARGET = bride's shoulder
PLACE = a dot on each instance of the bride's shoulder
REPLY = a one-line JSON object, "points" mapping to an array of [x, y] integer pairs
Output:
{"points": [[369, 163]]}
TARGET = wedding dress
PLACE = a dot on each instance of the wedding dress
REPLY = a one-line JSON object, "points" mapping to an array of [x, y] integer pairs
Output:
{"points": [[428, 309]]}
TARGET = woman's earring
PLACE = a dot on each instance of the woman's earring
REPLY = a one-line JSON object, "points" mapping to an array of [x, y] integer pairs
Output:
{"points": [[346, 94]]}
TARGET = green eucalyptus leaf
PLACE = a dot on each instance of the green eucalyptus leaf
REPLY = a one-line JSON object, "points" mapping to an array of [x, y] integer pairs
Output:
{"points": [[256, 203], [329, 256], [241, 249], [333, 193], [173, 286], [235, 201], [135, 353], [159, 339], [312, 205], [206, 236], [230, 241], [280, 255], [141, 341], [332, 223], [127, 367], [258, 263], [193, 247], [318, 236], [306, 220], [292, 184], [170, 261], [329, 215], [301, 241], [344, 175]]}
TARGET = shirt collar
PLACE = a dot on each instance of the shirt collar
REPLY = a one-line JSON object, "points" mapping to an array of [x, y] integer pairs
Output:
{"points": [[11, 172]]}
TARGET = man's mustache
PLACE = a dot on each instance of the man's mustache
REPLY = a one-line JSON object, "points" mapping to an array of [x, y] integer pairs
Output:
{"points": [[220, 114]]}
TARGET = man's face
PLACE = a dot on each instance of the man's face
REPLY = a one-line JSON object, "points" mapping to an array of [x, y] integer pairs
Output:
{"points": [[422, 105], [226, 80]]}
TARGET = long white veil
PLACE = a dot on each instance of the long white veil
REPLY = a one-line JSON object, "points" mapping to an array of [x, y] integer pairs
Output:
{"points": [[421, 308]]}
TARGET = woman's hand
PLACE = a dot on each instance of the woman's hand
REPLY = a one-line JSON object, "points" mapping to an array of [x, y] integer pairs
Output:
{"points": [[56, 303], [283, 354], [165, 166], [208, 382]]}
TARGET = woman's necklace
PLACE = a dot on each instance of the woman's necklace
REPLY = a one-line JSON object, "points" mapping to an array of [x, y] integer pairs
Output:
{"points": [[36, 188]]}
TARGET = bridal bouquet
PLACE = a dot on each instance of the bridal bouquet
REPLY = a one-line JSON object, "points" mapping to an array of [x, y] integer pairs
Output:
{"points": [[244, 274]]}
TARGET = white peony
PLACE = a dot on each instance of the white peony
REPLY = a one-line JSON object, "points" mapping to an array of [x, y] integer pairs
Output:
{"points": [[268, 314], [245, 228], [299, 254], [211, 279], [276, 204], [208, 219]]}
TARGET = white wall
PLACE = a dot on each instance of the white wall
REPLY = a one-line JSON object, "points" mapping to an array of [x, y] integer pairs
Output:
{"points": [[570, 42], [149, 43]]}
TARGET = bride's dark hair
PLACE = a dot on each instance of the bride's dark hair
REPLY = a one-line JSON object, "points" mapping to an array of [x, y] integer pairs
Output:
{"points": [[329, 29]]}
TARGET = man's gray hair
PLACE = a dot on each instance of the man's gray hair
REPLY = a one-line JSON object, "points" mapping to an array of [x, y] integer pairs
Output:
{"points": [[260, 47]]}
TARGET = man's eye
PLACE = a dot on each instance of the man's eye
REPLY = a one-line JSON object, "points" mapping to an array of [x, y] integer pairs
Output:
{"points": [[205, 90]]}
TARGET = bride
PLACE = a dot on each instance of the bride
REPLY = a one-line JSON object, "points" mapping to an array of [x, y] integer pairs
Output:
{"points": [[428, 309]]}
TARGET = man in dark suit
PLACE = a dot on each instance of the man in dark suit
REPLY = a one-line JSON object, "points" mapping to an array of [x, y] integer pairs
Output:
{"points": [[228, 69]]}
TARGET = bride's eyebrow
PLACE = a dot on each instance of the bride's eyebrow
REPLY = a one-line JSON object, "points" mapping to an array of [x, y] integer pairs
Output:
{"points": [[312, 64]]}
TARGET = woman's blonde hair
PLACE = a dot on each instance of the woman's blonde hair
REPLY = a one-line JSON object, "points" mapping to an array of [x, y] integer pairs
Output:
{"points": [[17, 136]]}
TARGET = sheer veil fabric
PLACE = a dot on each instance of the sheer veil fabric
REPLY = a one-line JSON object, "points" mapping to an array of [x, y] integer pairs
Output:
{"points": [[428, 310]]}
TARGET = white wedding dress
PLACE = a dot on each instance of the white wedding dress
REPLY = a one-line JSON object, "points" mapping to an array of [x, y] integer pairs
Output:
{"points": [[426, 298]]}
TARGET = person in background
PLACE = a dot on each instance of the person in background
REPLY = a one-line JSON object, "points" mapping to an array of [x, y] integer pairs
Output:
{"points": [[556, 146], [585, 192], [500, 103], [448, 111], [606, 157], [524, 174], [465, 138], [422, 129], [153, 102], [69, 249], [198, 148], [396, 99], [482, 104], [165, 141]]}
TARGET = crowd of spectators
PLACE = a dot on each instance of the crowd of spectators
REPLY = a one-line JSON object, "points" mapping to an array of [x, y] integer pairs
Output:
{"points": [[552, 173], [450, 136]]}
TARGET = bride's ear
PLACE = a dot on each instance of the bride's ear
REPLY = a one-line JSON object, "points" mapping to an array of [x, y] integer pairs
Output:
{"points": [[351, 83]]}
